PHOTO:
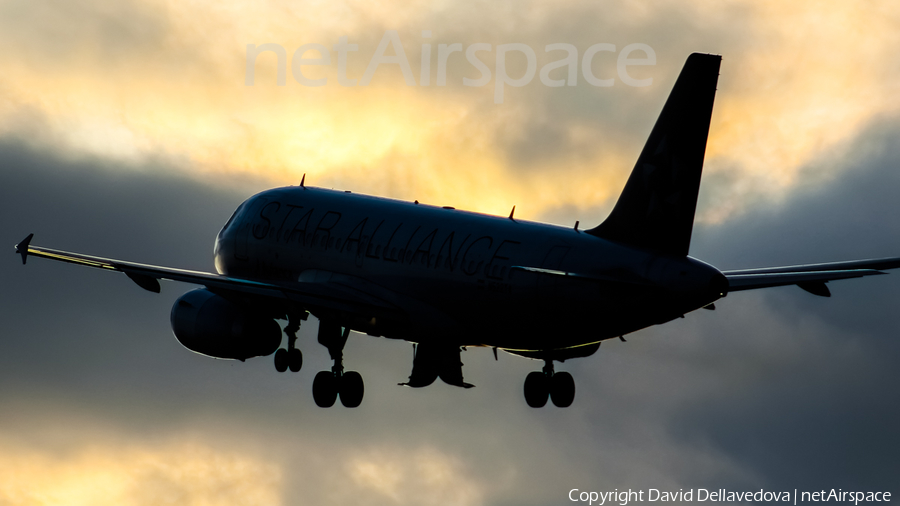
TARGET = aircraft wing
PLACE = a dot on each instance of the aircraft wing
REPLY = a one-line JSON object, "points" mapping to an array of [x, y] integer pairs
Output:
{"points": [[329, 292], [810, 277]]}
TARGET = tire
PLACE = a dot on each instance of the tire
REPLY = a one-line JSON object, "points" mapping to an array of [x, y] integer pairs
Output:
{"points": [[281, 360], [324, 389], [352, 389], [536, 389], [295, 360], [562, 389]]}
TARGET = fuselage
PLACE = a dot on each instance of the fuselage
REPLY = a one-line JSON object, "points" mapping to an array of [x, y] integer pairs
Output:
{"points": [[458, 276]]}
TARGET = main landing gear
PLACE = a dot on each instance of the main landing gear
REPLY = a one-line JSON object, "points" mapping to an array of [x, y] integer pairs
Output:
{"points": [[290, 358], [328, 385], [558, 386]]}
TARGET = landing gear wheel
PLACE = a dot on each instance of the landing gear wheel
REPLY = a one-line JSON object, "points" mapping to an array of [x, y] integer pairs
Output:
{"points": [[537, 389], [291, 357], [294, 359], [352, 389], [327, 385], [562, 389], [325, 389], [281, 360]]}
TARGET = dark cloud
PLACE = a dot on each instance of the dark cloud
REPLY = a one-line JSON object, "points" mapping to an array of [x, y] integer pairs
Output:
{"points": [[775, 388], [822, 418]]}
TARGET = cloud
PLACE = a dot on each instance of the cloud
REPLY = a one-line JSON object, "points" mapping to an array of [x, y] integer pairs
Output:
{"points": [[146, 79], [181, 473], [136, 138], [808, 358], [424, 476], [718, 399]]}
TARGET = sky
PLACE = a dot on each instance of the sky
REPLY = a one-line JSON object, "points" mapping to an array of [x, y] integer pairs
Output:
{"points": [[129, 130]]}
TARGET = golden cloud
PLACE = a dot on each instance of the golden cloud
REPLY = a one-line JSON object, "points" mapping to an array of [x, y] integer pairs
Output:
{"points": [[181, 473], [162, 78], [421, 477]]}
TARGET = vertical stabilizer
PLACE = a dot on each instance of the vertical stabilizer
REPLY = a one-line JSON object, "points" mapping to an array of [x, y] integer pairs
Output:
{"points": [[656, 208]]}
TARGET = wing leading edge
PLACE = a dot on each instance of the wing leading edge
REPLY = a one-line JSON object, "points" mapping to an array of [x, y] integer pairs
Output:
{"points": [[335, 294], [810, 277]]}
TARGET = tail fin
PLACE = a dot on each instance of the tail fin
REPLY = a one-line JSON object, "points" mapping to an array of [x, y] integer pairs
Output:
{"points": [[656, 209]]}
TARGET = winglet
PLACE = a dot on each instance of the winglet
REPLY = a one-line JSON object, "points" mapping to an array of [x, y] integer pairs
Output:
{"points": [[511, 213], [303, 181], [22, 247]]}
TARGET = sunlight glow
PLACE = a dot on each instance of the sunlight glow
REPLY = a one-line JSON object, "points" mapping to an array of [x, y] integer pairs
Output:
{"points": [[184, 474], [422, 477], [166, 80]]}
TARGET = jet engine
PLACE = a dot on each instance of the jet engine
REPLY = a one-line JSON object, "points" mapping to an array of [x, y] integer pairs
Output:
{"points": [[212, 325]]}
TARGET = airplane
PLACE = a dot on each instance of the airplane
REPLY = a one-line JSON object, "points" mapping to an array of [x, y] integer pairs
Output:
{"points": [[445, 279]]}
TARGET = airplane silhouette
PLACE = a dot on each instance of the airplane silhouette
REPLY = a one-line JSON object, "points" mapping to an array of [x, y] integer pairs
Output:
{"points": [[445, 279]]}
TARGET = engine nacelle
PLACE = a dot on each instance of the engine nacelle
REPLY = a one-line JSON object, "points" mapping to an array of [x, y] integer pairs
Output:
{"points": [[212, 325]]}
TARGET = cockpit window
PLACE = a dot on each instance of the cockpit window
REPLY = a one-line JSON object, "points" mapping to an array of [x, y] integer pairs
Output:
{"points": [[236, 212]]}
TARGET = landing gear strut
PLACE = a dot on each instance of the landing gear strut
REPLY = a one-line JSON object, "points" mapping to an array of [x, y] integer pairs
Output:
{"points": [[290, 358], [327, 385], [558, 387]]}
